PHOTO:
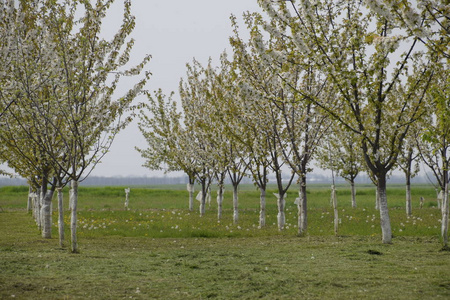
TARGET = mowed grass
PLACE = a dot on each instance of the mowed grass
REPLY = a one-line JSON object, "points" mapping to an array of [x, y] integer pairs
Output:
{"points": [[159, 249]]}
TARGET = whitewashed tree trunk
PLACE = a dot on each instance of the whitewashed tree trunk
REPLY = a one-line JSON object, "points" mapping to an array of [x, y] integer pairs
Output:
{"points": [[281, 217], [220, 201], [208, 197], [437, 197], [298, 201], [440, 200], [335, 208], [127, 199], [235, 204], [73, 216], [352, 185], [60, 217], [41, 214], [408, 200], [30, 199], [384, 212], [46, 212], [302, 208], [377, 199], [262, 207], [38, 209], [191, 190], [202, 197], [33, 205], [445, 212]]}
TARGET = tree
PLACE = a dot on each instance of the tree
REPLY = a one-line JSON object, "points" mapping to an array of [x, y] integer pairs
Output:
{"points": [[408, 163], [428, 21], [195, 97], [276, 70], [263, 95], [92, 112], [232, 156], [26, 88], [73, 99], [160, 124], [434, 146], [249, 129], [339, 151], [354, 49]]}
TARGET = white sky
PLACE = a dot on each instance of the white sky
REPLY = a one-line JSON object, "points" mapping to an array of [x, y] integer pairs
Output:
{"points": [[173, 32]]}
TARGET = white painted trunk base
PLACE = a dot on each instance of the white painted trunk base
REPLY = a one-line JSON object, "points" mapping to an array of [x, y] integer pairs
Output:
{"points": [[445, 212], [46, 215], [73, 217], [60, 217], [262, 208], [191, 190]]}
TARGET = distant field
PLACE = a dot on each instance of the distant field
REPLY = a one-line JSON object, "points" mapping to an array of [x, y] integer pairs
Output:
{"points": [[159, 249]]}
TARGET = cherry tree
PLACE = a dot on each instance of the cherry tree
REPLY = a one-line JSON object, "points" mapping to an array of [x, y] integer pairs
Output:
{"points": [[339, 152], [26, 87], [196, 106], [160, 124], [249, 130], [408, 162], [282, 72], [434, 146], [64, 80], [366, 59], [232, 155], [284, 117]]}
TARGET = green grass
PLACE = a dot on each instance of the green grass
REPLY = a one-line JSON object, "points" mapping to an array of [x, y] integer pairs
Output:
{"points": [[158, 249]]}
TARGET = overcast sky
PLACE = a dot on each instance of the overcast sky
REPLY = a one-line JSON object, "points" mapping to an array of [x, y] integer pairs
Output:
{"points": [[173, 32]]}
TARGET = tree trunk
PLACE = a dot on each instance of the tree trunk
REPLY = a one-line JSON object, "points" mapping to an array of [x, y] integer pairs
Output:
{"points": [[408, 197], [445, 212], [46, 213], [281, 203], [440, 199], [235, 204], [32, 205], [38, 209], [377, 199], [208, 197], [73, 216], [384, 211], [220, 201], [336, 214], [437, 197], [60, 217], [203, 198], [30, 200], [127, 198], [191, 190], [352, 184], [302, 208], [262, 207], [445, 200]]}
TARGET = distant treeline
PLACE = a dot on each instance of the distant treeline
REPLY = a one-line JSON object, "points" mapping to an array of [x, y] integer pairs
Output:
{"points": [[142, 181]]}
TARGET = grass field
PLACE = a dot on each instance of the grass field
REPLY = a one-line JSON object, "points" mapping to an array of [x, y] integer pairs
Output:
{"points": [[158, 249]]}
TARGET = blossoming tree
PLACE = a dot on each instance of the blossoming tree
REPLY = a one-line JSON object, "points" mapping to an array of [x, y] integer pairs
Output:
{"points": [[160, 124], [275, 71], [70, 88], [435, 143], [339, 152], [366, 59]]}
